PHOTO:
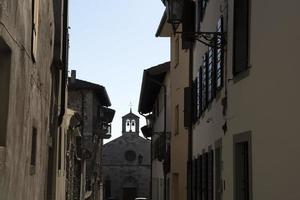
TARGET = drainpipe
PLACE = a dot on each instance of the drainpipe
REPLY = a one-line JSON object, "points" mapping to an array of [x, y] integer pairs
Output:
{"points": [[190, 129]]}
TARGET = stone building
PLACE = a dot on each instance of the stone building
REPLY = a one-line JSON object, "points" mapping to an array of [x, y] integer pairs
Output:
{"points": [[33, 69], [91, 102], [126, 163]]}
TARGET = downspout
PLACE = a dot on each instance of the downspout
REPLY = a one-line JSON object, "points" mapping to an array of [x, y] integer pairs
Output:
{"points": [[65, 55], [190, 129]]}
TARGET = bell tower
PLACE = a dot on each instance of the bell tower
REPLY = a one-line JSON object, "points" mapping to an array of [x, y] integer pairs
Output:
{"points": [[130, 123]]}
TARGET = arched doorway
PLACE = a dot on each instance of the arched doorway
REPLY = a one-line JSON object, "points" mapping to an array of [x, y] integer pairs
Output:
{"points": [[129, 188]]}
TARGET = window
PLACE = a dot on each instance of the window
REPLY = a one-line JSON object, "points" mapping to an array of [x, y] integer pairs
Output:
{"points": [[199, 178], [127, 128], [199, 96], [59, 143], [176, 112], [133, 127], [204, 83], [33, 150], [35, 27], [209, 71], [240, 36], [210, 164], [219, 61], [130, 155], [205, 176], [194, 103], [242, 166], [5, 61], [176, 52], [218, 171], [107, 188]]}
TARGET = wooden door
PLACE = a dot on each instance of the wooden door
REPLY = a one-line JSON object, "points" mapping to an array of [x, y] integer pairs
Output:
{"points": [[129, 193]]}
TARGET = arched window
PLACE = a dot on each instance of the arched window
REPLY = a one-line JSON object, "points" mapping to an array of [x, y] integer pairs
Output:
{"points": [[133, 127], [127, 125]]}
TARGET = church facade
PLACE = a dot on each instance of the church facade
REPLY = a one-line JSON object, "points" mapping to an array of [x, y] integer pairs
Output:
{"points": [[126, 164]]}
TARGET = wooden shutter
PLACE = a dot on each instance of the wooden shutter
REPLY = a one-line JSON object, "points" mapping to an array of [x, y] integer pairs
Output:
{"points": [[188, 24], [194, 179], [218, 178], [219, 57], [210, 75], [187, 106], [35, 27], [211, 175], [194, 100], [205, 177], [200, 92], [240, 36], [199, 175], [242, 171], [189, 180], [204, 84]]}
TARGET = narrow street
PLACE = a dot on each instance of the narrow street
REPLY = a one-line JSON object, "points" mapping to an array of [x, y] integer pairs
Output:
{"points": [[154, 100]]}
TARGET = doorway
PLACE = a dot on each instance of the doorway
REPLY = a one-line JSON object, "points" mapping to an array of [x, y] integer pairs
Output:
{"points": [[129, 193]]}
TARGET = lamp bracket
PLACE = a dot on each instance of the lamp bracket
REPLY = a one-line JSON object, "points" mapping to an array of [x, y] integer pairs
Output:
{"points": [[211, 39]]}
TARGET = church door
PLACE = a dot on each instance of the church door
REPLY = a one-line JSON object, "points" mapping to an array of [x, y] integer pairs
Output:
{"points": [[129, 193]]}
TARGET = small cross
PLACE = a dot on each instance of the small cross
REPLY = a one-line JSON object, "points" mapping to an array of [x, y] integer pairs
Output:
{"points": [[130, 105]]}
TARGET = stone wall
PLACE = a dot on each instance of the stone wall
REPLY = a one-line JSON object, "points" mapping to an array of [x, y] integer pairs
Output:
{"points": [[24, 166]]}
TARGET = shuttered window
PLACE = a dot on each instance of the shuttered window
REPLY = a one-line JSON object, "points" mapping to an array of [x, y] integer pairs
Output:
{"points": [[242, 166], [205, 177], [194, 179], [200, 92], [5, 66], [189, 179], [210, 75], [198, 95], [241, 171], [35, 27], [199, 178], [240, 36], [218, 178], [219, 57], [204, 83], [194, 86], [210, 170]]}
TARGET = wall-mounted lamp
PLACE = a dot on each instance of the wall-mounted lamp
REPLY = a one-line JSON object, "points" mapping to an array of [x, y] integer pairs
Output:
{"points": [[183, 12]]}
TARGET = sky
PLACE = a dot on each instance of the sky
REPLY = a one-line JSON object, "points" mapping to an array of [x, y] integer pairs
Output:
{"points": [[111, 43]]}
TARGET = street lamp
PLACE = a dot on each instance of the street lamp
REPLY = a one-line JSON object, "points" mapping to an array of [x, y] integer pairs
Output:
{"points": [[174, 12]]}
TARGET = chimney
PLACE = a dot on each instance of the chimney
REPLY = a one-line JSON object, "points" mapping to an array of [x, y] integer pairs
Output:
{"points": [[73, 76]]}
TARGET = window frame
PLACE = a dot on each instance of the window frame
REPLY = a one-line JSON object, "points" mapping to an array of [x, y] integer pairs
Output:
{"points": [[244, 137]]}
